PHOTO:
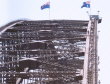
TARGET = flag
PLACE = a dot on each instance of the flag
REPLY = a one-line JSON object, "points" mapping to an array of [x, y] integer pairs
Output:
{"points": [[86, 4], [46, 5]]}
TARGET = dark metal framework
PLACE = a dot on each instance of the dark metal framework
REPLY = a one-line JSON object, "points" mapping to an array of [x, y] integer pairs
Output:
{"points": [[44, 52]]}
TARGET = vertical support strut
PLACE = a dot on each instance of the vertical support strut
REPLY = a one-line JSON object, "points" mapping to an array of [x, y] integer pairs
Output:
{"points": [[85, 69], [90, 62]]}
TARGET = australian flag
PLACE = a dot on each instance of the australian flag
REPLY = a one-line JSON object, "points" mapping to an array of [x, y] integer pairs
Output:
{"points": [[46, 5], [86, 4]]}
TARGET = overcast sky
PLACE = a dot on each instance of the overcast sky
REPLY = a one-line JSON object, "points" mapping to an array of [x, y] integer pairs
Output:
{"points": [[64, 9]]}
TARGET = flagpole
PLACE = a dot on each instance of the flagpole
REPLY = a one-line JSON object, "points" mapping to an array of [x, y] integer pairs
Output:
{"points": [[90, 9], [49, 11]]}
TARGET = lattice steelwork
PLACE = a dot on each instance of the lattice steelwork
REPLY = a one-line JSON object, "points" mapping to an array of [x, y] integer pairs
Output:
{"points": [[45, 52]]}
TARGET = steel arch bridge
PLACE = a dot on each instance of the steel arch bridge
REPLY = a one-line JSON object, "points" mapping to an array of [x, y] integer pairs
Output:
{"points": [[49, 52]]}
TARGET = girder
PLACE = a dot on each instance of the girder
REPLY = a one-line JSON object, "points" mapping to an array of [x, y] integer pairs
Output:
{"points": [[43, 52]]}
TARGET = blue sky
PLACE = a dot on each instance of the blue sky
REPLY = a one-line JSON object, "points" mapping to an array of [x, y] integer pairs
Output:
{"points": [[64, 9]]}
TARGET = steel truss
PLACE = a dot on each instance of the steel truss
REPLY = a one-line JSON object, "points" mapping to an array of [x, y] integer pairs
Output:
{"points": [[47, 52]]}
